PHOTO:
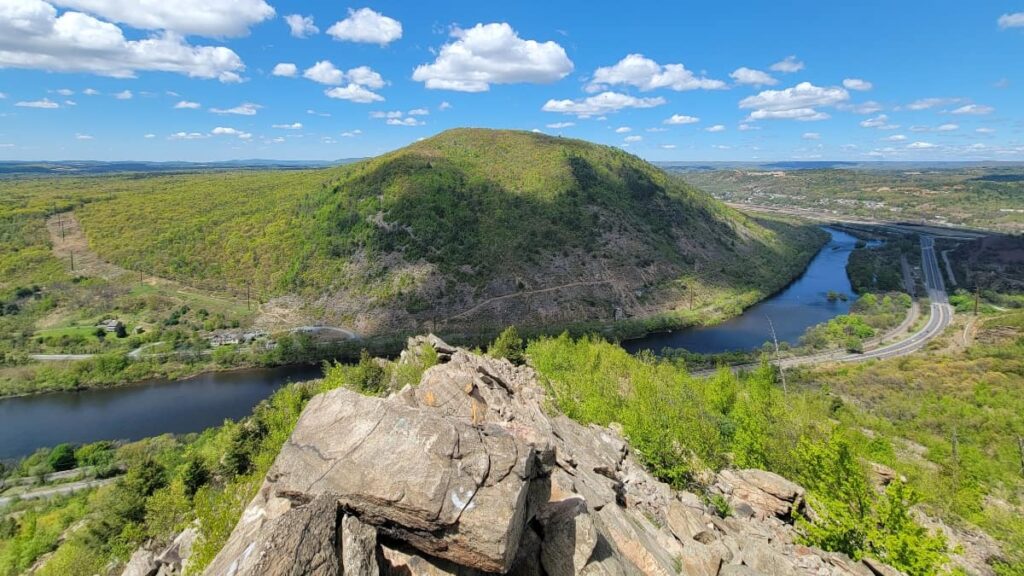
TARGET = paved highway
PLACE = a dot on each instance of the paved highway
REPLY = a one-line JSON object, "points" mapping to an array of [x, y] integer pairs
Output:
{"points": [[941, 315]]}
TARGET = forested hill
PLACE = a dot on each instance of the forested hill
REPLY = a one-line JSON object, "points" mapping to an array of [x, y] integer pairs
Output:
{"points": [[469, 229]]}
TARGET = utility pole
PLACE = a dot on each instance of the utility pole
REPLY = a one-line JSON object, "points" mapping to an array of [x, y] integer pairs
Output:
{"points": [[72, 260], [977, 295], [778, 360], [60, 221]]}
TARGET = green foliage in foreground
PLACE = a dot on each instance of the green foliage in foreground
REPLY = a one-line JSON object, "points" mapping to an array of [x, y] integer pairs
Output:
{"points": [[681, 425]]}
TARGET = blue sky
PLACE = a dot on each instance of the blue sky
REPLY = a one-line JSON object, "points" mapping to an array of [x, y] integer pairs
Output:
{"points": [[195, 79]]}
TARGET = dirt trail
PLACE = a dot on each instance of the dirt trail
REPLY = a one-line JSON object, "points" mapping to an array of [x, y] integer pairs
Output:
{"points": [[488, 301], [71, 246]]}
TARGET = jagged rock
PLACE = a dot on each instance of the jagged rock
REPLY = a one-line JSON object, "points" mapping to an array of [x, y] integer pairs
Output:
{"points": [[174, 557], [699, 560], [767, 494], [569, 536], [358, 548], [880, 569], [468, 474], [142, 563]]}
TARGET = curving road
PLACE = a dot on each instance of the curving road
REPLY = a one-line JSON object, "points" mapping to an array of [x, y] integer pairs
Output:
{"points": [[940, 318]]}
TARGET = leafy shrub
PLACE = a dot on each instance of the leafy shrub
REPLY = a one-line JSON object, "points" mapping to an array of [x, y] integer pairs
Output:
{"points": [[508, 345]]}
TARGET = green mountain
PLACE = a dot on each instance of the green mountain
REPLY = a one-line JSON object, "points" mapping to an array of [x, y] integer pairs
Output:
{"points": [[465, 231]]}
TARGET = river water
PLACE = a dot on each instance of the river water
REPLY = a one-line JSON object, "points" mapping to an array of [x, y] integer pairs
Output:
{"points": [[194, 404], [792, 311]]}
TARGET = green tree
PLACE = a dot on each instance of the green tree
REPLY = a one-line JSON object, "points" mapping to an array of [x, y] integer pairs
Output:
{"points": [[62, 457], [508, 345]]}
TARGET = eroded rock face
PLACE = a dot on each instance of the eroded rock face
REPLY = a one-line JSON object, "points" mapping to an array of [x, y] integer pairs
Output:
{"points": [[468, 474]]}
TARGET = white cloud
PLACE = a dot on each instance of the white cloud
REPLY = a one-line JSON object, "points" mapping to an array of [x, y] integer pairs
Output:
{"points": [[623, 129], [32, 35], [811, 136], [656, 129], [301, 26], [748, 127], [716, 128], [603, 103], [560, 125], [894, 138], [365, 76], [985, 130], [80, 136], [324, 72], [65, 92], [444, 105], [634, 138], [677, 119], [752, 77], [124, 95], [928, 103], [668, 146], [787, 65], [857, 84], [90, 92], [70, 103], [214, 18], [383, 114], [222, 131], [149, 136], [920, 145], [186, 105], [948, 128], [365, 25], [407, 121], [45, 103], [797, 103], [352, 133], [354, 93], [244, 109], [974, 109], [493, 54], [3, 96], [293, 126], [285, 69], [186, 136], [277, 140], [646, 74], [1015, 20], [881, 122], [868, 107], [419, 112]]}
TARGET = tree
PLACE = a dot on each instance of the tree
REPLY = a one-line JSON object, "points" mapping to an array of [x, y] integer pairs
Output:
{"points": [[508, 345], [62, 457]]}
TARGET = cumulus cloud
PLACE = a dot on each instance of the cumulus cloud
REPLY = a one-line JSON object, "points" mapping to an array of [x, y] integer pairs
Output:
{"points": [[603, 103], [65, 92], [324, 72], [869, 107], [292, 126], [928, 103], [419, 112], [489, 54], [560, 125], [974, 109], [1015, 20], [948, 128], [285, 69], [354, 93], [222, 131], [985, 130], [787, 65], [90, 92], [352, 133], [186, 105], [634, 138], [124, 95], [623, 129], [646, 74], [797, 103], [215, 18], [920, 145], [365, 25], [681, 119], [895, 138], [444, 106], [752, 77], [811, 136], [881, 122], [32, 35], [716, 128], [301, 26], [186, 136], [857, 84], [80, 136], [668, 146], [244, 109], [45, 103], [407, 121], [149, 136]]}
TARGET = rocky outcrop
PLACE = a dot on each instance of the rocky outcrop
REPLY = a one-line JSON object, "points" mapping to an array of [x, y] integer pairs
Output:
{"points": [[169, 562], [468, 473]]}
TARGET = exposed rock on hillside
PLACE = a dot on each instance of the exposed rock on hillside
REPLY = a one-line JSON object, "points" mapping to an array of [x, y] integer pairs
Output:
{"points": [[468, 473]]}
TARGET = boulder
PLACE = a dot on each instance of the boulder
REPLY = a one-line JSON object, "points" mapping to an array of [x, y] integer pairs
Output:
{"points": [[764, 493], [569, 536], [173, 559], [142, 563], [358, 548], [699, 560]]}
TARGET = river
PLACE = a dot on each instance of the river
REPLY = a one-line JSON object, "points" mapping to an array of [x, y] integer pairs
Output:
{"points": [[194, 404], [792, 310], [132, 412]]}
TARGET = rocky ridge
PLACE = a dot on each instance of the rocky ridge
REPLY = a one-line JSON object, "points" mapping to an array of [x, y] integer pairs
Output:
{"points": [[469, 473]]}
